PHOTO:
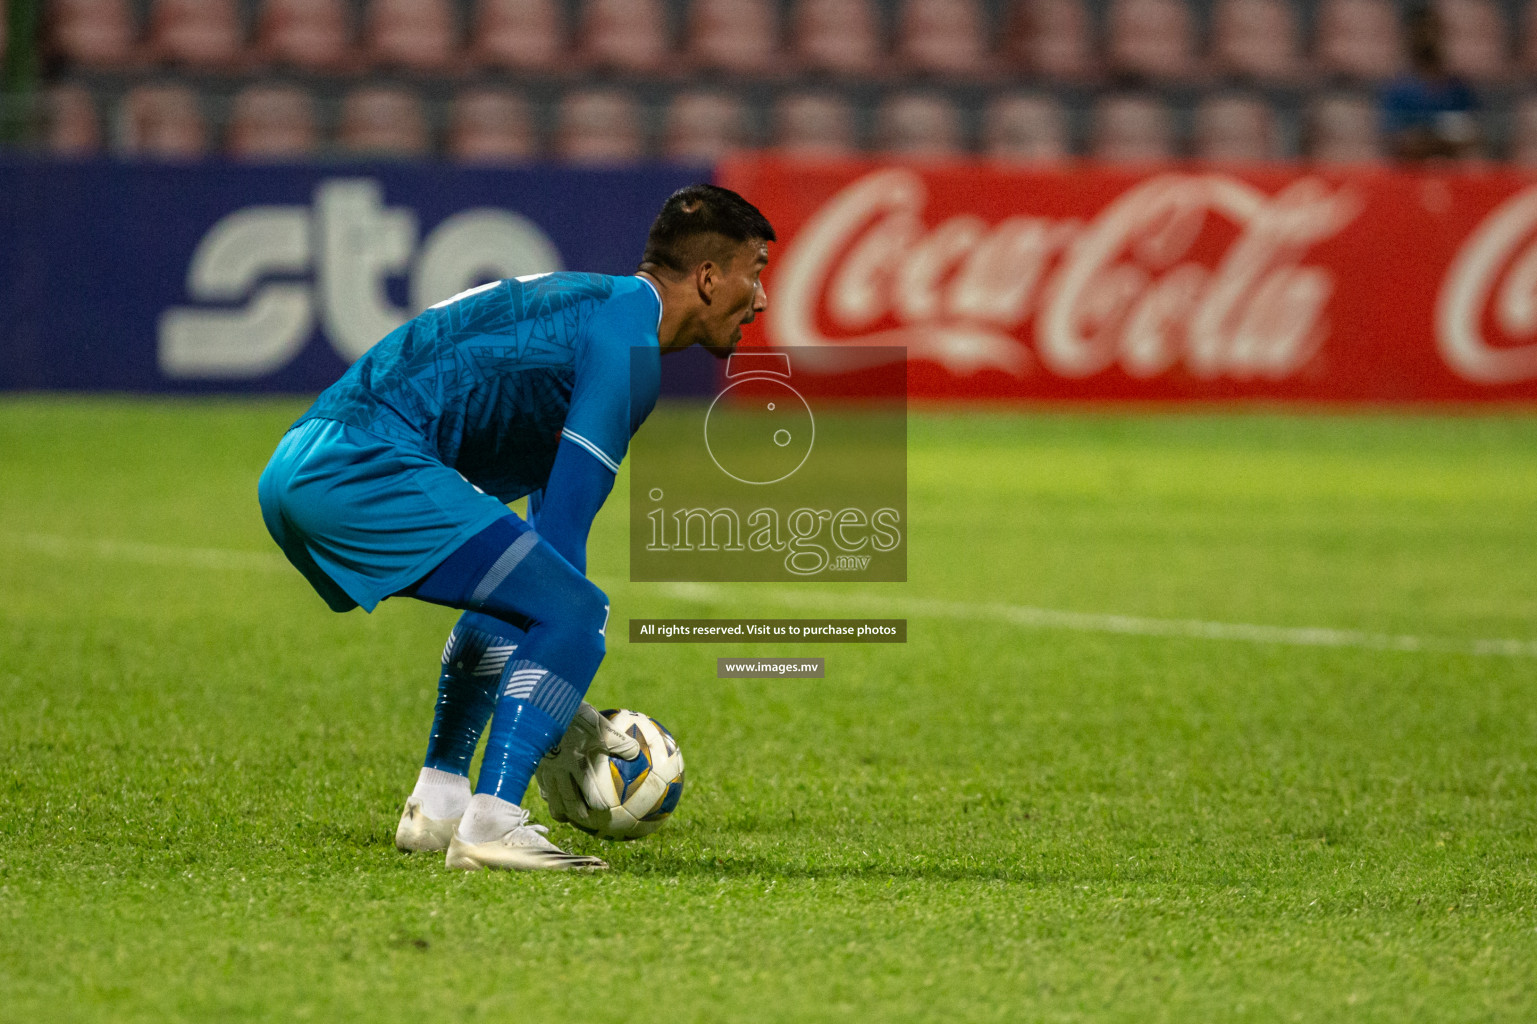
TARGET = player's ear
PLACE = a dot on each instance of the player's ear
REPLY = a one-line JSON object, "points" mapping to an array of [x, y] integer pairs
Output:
{"points": [[706, 276]]}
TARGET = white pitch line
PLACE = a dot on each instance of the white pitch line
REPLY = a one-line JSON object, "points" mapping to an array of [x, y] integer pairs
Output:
{"points": [[1025, 616], [1129, 625]]}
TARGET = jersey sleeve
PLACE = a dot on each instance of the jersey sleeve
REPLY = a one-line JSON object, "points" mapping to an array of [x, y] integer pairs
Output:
{"points": [[598, 420]]}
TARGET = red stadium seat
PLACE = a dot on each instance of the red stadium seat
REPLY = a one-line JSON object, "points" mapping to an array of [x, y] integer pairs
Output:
{"points": [[74, 127], [918, 125], [1050, 39], [625, 35], [599, 126], [519, 35], [815, 125], [944, 38], [1025, 128], [201, 34], [491, 125], [1256, 40], [739, 37], [272, 122], [413, 35], [1236, 129], [1523, 133], [1359, 40], [1130, 129], [163, 122], [311, 35], [703, 126], [841, 37], [93, 33], [384, 121], [1343, 128], [1151, 39], [1474, 38]]}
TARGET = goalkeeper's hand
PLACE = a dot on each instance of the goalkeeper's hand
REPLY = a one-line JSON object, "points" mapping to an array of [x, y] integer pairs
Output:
{"points": [[566, 774]]}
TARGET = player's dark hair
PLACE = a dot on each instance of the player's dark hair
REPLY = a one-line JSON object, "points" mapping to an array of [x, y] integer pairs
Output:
{"points": [[703, 222]]}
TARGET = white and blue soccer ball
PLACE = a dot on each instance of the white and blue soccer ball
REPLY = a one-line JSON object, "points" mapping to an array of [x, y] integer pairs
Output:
{"points": [[640, 793]]}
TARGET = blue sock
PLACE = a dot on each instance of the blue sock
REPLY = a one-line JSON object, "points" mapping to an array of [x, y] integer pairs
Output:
{"points": [[473, 660]]}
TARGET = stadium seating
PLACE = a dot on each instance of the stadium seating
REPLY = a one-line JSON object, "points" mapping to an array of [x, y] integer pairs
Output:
{"points": [[1256, 40], [1151, 40], [1342, 129], [735, 37], [815, 126], [411, 35], [383, 121], [205, 35], [1358, 40], [98, 34], [1025, 128], [520, 36], [272, 122], [163, 122], [1523, 133], [1132, 128], [702, 126], [1050, 39], [492, 125], [599, 126], [838, 37], [1235, 128], [308, 35], [918, 126], [73, 127], [944, 38], [629, 36]]}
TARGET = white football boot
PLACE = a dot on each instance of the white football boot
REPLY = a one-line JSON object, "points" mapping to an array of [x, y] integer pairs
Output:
{"points": [[521, 848], [418, 833]]}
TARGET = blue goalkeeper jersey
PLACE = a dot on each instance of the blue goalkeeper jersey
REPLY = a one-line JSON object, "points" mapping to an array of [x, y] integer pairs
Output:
{"points": [[490, 380]]}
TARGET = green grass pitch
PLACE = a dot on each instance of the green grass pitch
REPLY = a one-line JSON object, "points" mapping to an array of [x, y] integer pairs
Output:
{"points": [[1016, 816]]}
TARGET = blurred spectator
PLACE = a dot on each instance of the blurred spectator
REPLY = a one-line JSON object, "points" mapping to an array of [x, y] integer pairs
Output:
{"points": [[413, 35], [272, 122], [163, 122], [1151, 40], [201, 34], [74, 127], [1523, 133], [841, 37], [599, 126], [944, 38], [630, 36], [1235, 128], [93, 33], [1050, 39], [309, 35], [737, 37], [384, 121], [1429, 112], [1526, 46], [703, 126], [1358, 40], [1474, 39], [1132, 128], [1025, 128], [918, 125], [519, 35], [815, 126], [1256, 40], [492, 125], [1342, 129]]}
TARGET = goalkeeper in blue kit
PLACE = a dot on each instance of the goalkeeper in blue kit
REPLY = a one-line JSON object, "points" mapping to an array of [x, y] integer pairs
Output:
{"points": [[395, 483]]}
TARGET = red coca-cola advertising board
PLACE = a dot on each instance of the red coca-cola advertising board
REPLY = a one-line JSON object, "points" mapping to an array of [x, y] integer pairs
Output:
{"points": [[1166, 284]]}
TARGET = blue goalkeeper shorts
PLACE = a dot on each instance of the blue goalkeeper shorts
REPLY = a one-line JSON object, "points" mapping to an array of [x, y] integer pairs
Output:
{"points": [[363, 518]]}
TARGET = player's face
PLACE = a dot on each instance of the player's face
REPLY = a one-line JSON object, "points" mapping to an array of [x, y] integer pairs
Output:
{"points": [[739, 297]]}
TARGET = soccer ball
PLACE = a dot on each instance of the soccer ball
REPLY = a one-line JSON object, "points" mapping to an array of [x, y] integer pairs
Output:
{"points": [[642, 792]]}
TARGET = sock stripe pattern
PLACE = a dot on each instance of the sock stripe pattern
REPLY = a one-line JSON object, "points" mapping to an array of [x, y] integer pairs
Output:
{"points": [[543, 689], [503, 567]]}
